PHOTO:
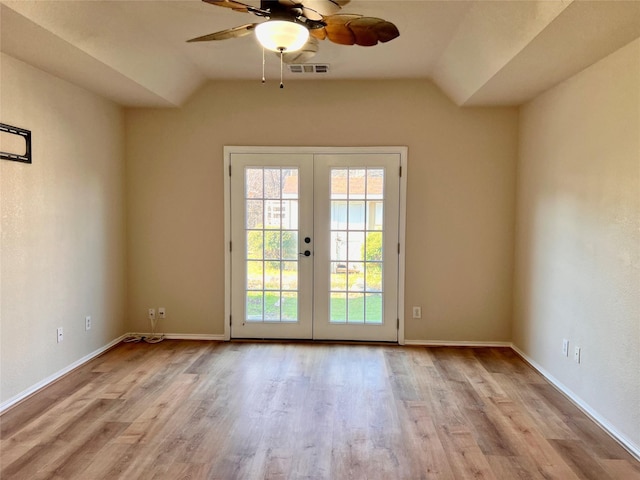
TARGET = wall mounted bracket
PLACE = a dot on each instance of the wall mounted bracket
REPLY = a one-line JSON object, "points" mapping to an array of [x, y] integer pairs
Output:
{"points": [[18, 156]]}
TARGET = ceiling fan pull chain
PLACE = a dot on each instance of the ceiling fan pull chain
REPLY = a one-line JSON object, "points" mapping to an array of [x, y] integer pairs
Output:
{"points": [[281, 61], [263, 80]]}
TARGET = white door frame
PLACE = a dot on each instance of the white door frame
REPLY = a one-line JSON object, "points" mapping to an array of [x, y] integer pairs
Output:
{"points": [[229, 150]]}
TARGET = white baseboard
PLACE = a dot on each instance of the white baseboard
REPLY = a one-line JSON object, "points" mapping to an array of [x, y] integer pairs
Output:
{"points": [[451, 343], [630, 446], [59, 374], [183, 336]]}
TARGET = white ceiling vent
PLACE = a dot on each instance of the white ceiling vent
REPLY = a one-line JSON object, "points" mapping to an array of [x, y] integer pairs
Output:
{"points": [[308, 68]]}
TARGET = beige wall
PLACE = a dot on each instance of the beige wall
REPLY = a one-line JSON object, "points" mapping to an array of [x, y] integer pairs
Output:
{"points": [[62, 254], [460, 212], [578, 236]]}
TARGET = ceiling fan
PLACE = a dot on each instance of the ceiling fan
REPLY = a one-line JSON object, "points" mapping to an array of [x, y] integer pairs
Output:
{"points": [[293, 27]]}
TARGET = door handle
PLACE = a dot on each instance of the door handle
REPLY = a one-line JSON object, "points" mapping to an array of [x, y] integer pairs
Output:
{"points": [[306, 253]]}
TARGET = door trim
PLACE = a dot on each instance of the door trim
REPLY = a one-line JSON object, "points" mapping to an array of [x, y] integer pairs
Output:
{"points": [[402, 151]]}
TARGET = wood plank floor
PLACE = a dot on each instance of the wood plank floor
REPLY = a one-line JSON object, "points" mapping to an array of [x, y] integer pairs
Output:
{"points": [[206, 410]]}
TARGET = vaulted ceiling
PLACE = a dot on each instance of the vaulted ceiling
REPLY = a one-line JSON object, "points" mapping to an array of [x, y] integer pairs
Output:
{"points": [[478, 52]]}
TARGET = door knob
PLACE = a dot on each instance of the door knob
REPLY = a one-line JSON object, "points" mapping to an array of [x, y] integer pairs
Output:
{"points": [[306, 253]]}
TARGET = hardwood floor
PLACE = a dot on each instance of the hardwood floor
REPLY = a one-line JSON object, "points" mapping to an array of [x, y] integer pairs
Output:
{"points": [[200, 410]]}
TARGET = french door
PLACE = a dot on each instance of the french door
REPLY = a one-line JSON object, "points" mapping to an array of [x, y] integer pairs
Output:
{"points": [[314, 241]]}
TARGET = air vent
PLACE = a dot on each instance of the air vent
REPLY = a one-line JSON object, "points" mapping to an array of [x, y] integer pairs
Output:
{"points": [[308, 68]]}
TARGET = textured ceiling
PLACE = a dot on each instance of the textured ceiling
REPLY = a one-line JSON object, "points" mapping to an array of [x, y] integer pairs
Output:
{"points": [[478, 52]]}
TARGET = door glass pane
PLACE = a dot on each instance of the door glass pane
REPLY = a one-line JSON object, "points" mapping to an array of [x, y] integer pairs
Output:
{"points": [[272, 183], [339, 178], [272, 306], [255, 275], [272, 214], [375, 183], [338, 215], [254, 213], [374, 215], [272, 275], [338, 307], [254, 244], [290, 245], [357, 245], [253, 184], [339, 245], [272, 245], [373, 247], [373, 277], [355, 277], [254, 306], [355, 308], [356, 215], [373, 308], [289, 304], [357, 183], [338, 276], [271, 236], [290, 213], [290, 276]]}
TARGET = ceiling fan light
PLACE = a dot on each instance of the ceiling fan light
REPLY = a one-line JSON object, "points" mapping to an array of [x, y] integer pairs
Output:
{"points": [[282, 35]]}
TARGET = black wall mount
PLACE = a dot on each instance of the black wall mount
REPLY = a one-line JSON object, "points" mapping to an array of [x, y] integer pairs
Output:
{"points": [[24, 157]]}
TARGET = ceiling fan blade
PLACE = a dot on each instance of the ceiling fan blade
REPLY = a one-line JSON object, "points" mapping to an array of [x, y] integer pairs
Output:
{"points": [[324, 8], [306, 53], [352, 29], [369, 30], [387, 31], [319, 33], [363, 29], [234, 32], [311, 14], [338, 30]]}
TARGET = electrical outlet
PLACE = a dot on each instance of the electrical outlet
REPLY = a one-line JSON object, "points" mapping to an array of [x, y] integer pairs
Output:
{"points": [[162, 313], [417, 312], [152, 314], [59, 333], [87, 322], [576, 354], [565, 347]]}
